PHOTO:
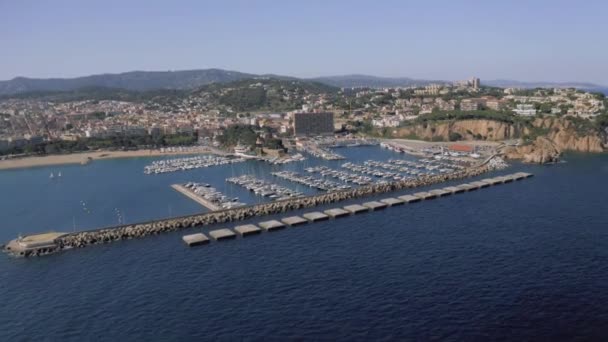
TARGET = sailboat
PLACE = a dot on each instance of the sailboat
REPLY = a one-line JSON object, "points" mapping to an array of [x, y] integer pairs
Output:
{"points": [[52, 176], [59, 174]]}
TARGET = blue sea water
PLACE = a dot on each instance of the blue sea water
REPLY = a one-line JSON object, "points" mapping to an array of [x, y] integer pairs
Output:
{"points": [[520, 261]]}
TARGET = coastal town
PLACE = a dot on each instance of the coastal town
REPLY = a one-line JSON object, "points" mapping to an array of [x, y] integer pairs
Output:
{"points": [[269, 114]]}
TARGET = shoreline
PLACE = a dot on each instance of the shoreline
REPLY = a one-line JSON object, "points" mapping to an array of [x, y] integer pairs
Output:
{"points": [[84, 158]]}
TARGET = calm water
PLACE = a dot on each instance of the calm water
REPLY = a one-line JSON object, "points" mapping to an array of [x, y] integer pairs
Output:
{"points": [[522, 261]]}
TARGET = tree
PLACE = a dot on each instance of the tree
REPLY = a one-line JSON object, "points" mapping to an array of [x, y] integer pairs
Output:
{"points": [[455, 136]]}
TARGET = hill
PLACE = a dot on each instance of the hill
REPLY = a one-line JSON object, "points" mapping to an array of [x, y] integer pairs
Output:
{"points": [[193, 79], [260, 94], [251, 94], [135, 80]]}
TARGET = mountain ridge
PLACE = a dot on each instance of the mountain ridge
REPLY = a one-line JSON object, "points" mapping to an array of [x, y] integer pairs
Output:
{"points": [[191, 79]]}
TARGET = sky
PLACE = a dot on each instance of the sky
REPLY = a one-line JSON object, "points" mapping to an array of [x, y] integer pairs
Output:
{"points": [[534, 40]]}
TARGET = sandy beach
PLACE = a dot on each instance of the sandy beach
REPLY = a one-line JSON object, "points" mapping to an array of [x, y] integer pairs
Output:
{"points": [[87, 157]]}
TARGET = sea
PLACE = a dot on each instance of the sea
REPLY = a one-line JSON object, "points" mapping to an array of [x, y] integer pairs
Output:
{"points": [[521, 261]]}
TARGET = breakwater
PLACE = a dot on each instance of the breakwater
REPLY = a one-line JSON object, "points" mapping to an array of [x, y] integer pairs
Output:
{"points": [[138, 230]]}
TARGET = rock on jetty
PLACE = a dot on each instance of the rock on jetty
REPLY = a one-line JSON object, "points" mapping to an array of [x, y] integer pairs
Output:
{"points": [[131, 231]]}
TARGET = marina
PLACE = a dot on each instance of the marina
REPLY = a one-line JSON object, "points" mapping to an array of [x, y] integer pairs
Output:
{"points": [[316, 150], [341, 175], [264, 188], [189, 163], [207, 196], [311, 182]]}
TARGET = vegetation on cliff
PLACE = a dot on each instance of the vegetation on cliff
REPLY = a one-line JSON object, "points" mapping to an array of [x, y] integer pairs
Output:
{"points": [[112, 143]]}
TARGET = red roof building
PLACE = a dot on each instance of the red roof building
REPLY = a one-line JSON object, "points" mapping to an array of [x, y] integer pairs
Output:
{"points": [[461, 148]]}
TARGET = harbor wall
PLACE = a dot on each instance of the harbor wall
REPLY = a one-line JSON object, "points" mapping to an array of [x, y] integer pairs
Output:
{"points": [[139, 230]]}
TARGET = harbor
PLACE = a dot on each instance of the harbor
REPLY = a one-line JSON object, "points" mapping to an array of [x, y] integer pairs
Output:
{"points": [[312, 182], [229, 189], [264, 188], [189, 163], [47, 243]]}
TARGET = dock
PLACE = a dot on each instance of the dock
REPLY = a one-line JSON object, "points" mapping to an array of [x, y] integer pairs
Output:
{"points": [[440, 192], [316, 216], [198, 199], [454, 189], [195, 239], [222, 234], [467, 187], [356, 208], [423, 195], [409, 198], [271, 225], [247, 229], [336, 212], [391, 201], [36, 244], [375, 205], [293, 221]]}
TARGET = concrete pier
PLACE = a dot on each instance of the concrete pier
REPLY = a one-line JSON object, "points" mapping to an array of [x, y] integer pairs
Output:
{"points": [[222, 234], [247, 229], [195, 239], [336, 212], [440, 192], [391, 201], [522, 175], [423, 195], [36, 244], [198, 199], [409, 198], [293, 221], [490, 181], [271, 225], [375, 205], [454, 189], [480, 184], [316, 216], [467, 187], [356, 208]]}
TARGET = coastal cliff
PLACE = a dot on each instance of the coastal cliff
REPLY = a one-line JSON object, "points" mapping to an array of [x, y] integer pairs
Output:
{"points": [[467, 129], [567, 136], [558, 135], [541, 151]]}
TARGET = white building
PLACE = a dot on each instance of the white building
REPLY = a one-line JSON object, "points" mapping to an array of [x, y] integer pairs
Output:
{"points": [[386, 122], [525, 110]]}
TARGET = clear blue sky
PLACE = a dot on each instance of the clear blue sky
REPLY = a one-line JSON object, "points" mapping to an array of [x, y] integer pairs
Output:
{"points": [[543, 40]]}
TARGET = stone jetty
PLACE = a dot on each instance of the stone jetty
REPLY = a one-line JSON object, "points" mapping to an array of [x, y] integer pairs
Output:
{"points": [[139, 230]]}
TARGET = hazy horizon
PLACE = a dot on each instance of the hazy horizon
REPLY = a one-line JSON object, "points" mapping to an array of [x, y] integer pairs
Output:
{"points": [[544, 41], [313, 77]]}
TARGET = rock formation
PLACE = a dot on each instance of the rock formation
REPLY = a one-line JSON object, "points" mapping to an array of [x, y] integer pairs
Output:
{"points": [[563, 133], [541, 151]]}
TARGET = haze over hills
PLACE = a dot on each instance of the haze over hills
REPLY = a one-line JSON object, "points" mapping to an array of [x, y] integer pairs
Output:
{"points": [[192, 79], [350, 81]]}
